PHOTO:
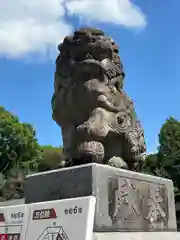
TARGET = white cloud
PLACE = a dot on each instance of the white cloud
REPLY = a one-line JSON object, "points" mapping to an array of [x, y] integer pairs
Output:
{"points": [[28, 26], [32, 26], [122, 12]]}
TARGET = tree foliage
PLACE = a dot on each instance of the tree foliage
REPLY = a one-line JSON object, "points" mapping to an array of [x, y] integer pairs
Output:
{"points": [[166, 163], [150, 166], [18, 144], [19, 153], [169, 139], [169, 150], [52, 158]]}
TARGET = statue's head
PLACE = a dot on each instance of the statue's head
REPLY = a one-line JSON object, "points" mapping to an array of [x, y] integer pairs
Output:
{"points": [[88, 53], [89, 103]]}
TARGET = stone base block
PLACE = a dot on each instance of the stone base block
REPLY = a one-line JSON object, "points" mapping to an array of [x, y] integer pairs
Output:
{"points": [[137, 236], [125, 200]]}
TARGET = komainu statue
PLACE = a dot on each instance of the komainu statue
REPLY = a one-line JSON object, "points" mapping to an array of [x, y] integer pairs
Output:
{"points": [[97, 118]]}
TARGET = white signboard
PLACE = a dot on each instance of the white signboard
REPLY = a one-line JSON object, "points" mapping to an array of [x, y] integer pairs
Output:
{"points": [[70, 219], [13, 222]]}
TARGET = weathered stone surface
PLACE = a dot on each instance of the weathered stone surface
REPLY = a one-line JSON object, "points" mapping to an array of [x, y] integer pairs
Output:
{"points": [[126, 200], [137, 236], [90, 106]]}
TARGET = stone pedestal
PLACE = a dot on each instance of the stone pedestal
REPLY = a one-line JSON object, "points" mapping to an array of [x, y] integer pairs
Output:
{"points": [[125, 200], [137, 236]]}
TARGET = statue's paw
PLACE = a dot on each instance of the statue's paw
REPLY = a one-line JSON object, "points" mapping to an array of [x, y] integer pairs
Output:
{"points": [[62, 164], [117, 162], [93, 149]]}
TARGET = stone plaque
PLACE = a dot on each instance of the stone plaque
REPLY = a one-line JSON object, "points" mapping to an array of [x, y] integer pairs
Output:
{"points": [[137, 204]]}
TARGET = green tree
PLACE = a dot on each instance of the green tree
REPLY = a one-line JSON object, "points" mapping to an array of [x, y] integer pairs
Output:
{"points": [[53, 158], [150, 165], [169, 150], [166, 162], [153, 166], [19, 149]]}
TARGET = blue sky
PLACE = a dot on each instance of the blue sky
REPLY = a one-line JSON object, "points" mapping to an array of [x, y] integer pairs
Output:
{"points": [[149, 37]]}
